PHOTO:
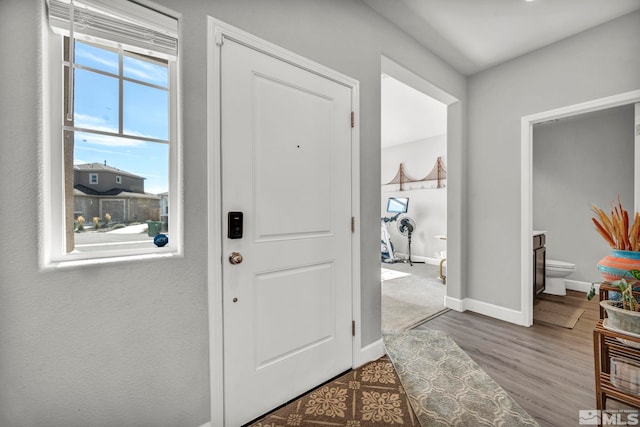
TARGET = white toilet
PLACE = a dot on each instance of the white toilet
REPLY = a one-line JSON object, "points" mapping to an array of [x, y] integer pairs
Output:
{"points": [[555, 272]]}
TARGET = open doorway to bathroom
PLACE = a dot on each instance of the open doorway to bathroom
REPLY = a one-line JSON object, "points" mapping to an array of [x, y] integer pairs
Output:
{"points": [[413, 168], [588, 140], [579, 161]]}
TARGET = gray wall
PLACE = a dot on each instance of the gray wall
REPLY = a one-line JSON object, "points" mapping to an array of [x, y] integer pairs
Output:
{"points": [[427, 206], [578, 162], [594, 64], [127, 344]]}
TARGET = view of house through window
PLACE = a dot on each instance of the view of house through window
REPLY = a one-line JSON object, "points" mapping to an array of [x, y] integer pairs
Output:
{"points": [[116, 148]]}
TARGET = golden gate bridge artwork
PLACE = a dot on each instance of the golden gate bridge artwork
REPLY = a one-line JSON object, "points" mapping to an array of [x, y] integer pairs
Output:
{"points": [[438, 174]]}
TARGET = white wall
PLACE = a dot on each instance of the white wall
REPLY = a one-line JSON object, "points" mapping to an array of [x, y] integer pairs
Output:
{"points": [[427, 206], [578, 162], [127, 343], [599, 62]]}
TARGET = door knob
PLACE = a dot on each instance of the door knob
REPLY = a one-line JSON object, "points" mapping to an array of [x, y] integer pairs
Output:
{"points": [[235, 258]]}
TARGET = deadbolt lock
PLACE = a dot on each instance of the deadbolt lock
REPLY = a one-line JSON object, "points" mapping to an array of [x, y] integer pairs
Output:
{"points": [[235, 258]]}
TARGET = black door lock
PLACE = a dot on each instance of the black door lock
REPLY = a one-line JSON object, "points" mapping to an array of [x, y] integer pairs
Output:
{"points": [[234, 225]]}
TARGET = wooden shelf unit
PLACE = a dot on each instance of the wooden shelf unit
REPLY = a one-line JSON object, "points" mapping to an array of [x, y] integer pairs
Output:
{"points": [[605, 346]]}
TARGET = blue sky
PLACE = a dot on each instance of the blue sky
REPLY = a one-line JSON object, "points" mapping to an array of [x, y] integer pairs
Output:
{"points": [[145, 114]]}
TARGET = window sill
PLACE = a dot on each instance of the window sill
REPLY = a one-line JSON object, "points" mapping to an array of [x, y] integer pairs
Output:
{"points": [[66, 264]]}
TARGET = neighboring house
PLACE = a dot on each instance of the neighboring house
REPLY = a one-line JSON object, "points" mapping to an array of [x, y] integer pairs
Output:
{"points": [[164, 207], [101, 189]]}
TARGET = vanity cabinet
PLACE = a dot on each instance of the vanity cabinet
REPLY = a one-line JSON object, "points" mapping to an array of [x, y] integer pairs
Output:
{"points": [[539, 256]]}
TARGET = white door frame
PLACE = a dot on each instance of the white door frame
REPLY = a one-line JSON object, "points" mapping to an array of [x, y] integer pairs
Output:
{"points": [[526, 181], [217, 31]]}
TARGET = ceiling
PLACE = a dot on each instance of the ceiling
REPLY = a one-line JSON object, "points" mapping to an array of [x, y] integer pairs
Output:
{"points": [[473, 35], [408, 115]]}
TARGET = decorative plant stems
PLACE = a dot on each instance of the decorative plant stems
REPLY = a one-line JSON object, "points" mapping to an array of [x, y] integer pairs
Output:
{"points": [[615, 229], [628, 301], [625, 286], [626, 289]]}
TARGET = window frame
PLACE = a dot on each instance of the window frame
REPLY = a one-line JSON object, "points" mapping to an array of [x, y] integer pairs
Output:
{"points": [[53, 252]]}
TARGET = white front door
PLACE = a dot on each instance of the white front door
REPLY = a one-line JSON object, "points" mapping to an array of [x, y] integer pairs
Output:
{"points": [[286, 166]]}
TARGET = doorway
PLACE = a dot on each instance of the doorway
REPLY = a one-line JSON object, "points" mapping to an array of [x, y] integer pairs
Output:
{"points": [[527, 123], [413, 168], [580, 161]]}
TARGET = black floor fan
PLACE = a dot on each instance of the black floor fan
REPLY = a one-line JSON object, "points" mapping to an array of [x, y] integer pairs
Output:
{"points": [[406, 227]]}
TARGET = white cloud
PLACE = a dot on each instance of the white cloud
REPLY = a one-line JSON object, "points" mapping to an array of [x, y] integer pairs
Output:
{"points": [[147, 72], [114, 152], [87, 121], [92, 122], [107, 140], [111, 64]]}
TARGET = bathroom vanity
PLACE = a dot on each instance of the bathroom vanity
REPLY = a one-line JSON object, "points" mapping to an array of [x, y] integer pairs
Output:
{"points": [[539, 254]]}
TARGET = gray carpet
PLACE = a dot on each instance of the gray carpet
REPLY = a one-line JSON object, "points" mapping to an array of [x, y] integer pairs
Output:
{"points": [[446, 387], [411, 300]]}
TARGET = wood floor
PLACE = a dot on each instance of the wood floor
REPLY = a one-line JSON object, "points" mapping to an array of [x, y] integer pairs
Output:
{"points": [[547, 369]]}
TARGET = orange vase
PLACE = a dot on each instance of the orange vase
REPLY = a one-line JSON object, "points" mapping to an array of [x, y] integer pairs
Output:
{"points": [[615, 266]]}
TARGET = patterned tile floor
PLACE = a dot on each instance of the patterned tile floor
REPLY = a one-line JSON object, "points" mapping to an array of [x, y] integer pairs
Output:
{"points": [[370, 396]]}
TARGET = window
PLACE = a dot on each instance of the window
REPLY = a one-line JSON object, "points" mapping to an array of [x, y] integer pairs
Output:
{"points": [[114, 116]]}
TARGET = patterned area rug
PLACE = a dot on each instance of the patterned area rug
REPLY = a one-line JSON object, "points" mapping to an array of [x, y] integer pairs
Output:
{"points": [[370, 396], [446, 387]]}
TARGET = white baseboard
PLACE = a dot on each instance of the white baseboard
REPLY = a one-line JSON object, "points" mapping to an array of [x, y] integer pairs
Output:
{"points": [[491, 310], [433, 261], [576, 285], [454, 303], [495, 311], [369, 353], [206, 424]]}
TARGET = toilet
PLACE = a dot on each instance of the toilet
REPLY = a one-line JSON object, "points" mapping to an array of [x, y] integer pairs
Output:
{"points": [[555, 272]]}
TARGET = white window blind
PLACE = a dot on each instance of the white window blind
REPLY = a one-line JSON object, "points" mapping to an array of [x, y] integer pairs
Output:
{"points": [[116, 21]]}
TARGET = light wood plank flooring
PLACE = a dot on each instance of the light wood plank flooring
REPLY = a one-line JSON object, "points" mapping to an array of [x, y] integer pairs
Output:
{"points": [[547, 369]]}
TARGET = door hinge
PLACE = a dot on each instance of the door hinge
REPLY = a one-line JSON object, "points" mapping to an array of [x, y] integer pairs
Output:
{"points": [[353, 119], [353, 328], [353, 224]]}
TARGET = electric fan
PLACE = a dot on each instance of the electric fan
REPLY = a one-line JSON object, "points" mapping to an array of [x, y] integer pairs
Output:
{"points": [[406, 227]]}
